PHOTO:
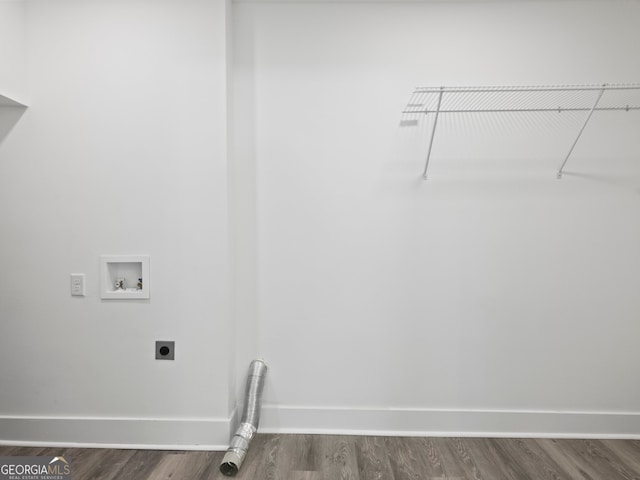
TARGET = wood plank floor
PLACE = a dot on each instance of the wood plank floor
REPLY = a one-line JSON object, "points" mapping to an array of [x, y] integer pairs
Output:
{"points": [[325, 457]]}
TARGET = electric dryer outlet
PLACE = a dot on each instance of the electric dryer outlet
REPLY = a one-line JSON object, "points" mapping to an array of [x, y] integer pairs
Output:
{"points": [[165, 350]]}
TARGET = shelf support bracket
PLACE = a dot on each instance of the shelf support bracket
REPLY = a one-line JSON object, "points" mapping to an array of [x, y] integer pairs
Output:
{"points": [[433, 133], [593, 109]]}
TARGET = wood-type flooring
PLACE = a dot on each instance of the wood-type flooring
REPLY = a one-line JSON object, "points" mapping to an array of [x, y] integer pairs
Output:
{"points": [[329, 457]]}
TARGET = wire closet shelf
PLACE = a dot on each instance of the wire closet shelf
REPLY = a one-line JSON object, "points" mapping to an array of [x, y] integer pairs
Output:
{"points": [[436, 101]]}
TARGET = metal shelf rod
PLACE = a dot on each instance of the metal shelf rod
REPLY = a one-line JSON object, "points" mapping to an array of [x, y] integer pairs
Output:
{"points": [[525, 89], [525, 110]]}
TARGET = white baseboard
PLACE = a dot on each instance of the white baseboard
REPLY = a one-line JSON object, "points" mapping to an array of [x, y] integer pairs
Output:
{"points": [[449, 423], [139, 433], [213, 434]]}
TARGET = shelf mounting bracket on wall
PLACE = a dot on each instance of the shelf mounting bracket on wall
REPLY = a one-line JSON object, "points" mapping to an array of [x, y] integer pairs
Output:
{"points": [[437, 101], [593, 109], [433, 132]]}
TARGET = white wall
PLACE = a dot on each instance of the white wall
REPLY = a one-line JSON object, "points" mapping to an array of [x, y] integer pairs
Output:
{"points": [[122, 151], [242, 186], [492, 298], [12, 48]]}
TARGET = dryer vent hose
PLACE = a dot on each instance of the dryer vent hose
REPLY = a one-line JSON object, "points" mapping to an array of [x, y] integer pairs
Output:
{"points": [[239, 446]]}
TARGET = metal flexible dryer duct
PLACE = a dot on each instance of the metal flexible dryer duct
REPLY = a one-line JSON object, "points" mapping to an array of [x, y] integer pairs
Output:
{"points": [[234, 457]]}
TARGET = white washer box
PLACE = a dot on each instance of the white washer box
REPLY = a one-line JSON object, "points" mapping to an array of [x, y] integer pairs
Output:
{"points": [[129, 268]]}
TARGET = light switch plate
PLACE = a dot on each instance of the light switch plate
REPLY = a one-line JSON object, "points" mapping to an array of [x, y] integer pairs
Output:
{"points": [[78, 285]]}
